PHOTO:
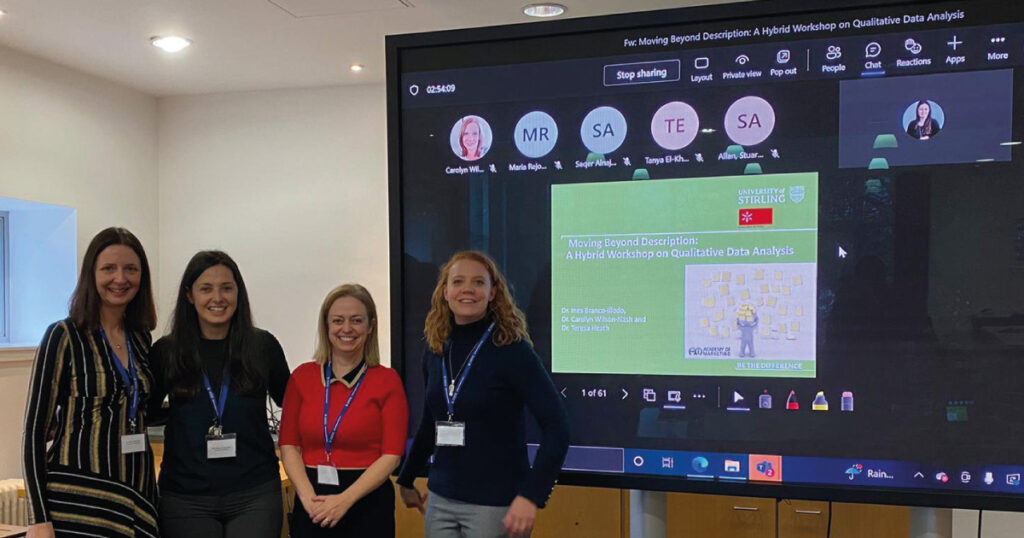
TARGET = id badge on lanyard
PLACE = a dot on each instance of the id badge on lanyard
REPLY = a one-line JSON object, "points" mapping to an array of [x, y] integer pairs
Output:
{"points": [[131, 443], [327, 473], [219, 445], [450, 432]]}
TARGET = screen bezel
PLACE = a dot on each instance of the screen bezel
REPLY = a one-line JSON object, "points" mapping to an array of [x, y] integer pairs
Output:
{"points": [[396, 45]]}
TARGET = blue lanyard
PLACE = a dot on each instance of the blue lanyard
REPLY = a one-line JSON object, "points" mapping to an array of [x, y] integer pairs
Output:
{"points": [[130, 377], [329, 438], [218, 408], [452, 388]]}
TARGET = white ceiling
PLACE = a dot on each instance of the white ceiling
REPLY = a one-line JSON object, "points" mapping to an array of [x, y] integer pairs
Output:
{"points": [[250, 44]]}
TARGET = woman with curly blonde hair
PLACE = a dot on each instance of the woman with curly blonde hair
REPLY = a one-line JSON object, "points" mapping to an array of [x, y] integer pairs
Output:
{"points": [[482, 374]]}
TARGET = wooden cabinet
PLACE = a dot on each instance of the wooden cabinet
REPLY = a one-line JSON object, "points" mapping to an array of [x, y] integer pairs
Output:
{"points": [[712, 516], [604, 513], [572, 511], [690, 515], [589, 512], [803, 519], [877, 521], [408, 521]]}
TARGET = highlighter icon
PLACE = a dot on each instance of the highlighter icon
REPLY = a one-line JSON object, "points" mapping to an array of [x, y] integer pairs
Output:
{"points": [[819, 403]]}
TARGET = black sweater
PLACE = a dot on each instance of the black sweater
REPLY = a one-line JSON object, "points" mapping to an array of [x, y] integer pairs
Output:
{"points": [[502, 384], [185, 468]]}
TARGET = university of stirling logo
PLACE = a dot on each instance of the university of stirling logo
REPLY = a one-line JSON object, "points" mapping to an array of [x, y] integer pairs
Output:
{"points": [[796, 193]]}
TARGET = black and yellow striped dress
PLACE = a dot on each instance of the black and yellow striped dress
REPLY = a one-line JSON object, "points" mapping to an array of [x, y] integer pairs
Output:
{"points": [[82, 483]]}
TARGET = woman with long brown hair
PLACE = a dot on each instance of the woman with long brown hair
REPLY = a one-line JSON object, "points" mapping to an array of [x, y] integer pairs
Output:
{"points": [[89, 388], [219, 477], [482, 375], [923, 126]]}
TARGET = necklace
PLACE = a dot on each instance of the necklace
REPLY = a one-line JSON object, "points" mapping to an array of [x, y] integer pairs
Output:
{"points": [[451, 384], [116, 345]]}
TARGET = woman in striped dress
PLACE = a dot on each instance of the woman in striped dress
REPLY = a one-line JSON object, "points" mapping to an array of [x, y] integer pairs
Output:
{"points": [[89, 388]]}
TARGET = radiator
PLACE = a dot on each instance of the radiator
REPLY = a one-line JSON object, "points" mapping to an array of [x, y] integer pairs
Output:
{"points": [[13, 505]]}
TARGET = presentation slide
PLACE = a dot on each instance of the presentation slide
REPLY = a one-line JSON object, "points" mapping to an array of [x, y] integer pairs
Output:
{"points": [[701, 276]]}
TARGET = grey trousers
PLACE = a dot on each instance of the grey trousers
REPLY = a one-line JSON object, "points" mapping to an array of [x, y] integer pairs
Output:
{"points": [[448, 518]]}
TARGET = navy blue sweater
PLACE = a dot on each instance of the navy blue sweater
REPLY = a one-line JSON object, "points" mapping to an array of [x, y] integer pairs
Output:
{"points": [[502, 384]]}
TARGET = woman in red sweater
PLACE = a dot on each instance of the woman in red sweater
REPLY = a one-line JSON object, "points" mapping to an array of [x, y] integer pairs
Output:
{"points": [[343, 425]]}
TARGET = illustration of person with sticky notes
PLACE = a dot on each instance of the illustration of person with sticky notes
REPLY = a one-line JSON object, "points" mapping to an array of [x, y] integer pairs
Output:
{"points": [[746, 322]]}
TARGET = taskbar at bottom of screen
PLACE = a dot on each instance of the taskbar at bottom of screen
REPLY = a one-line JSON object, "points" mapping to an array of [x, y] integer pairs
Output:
{"points": [[773, 468]]}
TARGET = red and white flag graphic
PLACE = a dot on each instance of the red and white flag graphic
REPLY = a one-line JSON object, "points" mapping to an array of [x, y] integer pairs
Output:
{"points": [[760, 216]]}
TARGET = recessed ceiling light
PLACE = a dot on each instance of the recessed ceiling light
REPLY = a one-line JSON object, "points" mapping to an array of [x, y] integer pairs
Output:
{"points": [[356, 68], [2, 13], [170, 43], [544, 10]]}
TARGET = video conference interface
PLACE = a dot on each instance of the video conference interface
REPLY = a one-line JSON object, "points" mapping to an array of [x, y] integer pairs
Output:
{"points": [[774, 250]]}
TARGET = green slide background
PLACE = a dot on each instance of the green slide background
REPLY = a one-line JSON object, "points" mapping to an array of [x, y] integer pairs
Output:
{"points": [[653, 290]]}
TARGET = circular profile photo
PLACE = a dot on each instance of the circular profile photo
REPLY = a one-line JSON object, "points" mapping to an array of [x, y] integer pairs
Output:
{"points": [[923, 119], [471, 138], [749, 120]]}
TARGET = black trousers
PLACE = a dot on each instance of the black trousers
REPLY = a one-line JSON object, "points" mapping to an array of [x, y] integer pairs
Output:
{"points": [[372, 516], [252, 513]]}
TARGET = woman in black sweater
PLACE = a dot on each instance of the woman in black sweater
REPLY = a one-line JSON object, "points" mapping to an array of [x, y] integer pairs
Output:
{"points": [[220, 475], [482, 374]]}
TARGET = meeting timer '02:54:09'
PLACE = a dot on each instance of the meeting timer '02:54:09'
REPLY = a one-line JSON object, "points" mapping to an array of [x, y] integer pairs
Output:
{"points": [[441, 88]]}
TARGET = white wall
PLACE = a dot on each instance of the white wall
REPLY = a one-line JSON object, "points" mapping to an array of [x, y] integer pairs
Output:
{"points": [[293, 185], [73, 140]]}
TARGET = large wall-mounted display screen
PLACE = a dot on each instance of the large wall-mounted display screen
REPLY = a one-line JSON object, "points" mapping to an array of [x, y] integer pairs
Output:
{"points": [[761, 250]]}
